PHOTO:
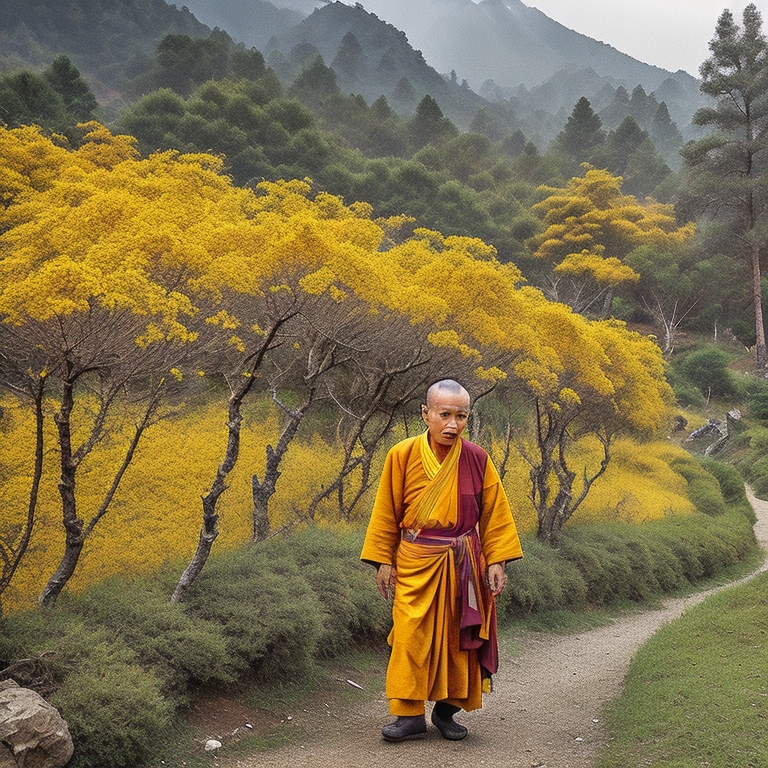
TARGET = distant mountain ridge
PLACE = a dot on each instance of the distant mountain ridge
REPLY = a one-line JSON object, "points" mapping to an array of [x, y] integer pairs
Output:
{"points": [[253, 23], [513, 55], [528, 70], [506, 49], [509, 42], [373, 58]]}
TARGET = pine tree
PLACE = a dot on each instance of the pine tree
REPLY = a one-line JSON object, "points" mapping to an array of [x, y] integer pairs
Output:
{"points": [[619, 147], [78, 98], [349, 62], [726, 169], [430, 125], [666, 136], [582, 133]]}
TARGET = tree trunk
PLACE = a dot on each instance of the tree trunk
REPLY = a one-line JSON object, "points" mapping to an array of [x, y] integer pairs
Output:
{"points": [[761, 358], [73, 525], [208, 533], [262, 491], [553, 442], [209, 529], [13, 552]]}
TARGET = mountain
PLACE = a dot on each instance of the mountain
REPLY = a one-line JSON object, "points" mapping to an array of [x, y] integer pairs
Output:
{"points": [[110, 41], [371, 58], [509, 43], [253, 22], [513, 53]]}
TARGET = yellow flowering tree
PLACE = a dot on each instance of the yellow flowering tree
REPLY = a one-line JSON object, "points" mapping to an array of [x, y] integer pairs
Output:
{"points": [[92, 273], [591, 226], [602, 380], [293, 274]]}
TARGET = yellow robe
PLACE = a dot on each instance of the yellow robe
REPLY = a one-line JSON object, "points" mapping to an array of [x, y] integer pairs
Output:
{"points": [[427, 662]]}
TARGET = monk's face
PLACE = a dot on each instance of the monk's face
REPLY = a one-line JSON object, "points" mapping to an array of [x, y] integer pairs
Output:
{"points": [[445, 415]]}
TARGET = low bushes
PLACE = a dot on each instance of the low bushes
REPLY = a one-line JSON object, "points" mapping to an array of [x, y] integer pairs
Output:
{"points": [[126, 661]]}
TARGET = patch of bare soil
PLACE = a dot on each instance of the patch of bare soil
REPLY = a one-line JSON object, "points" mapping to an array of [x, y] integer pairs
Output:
{"points": [[545, 712]]}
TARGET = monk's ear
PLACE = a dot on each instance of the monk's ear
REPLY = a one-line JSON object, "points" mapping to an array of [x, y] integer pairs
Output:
{"points": [[424, 410]]}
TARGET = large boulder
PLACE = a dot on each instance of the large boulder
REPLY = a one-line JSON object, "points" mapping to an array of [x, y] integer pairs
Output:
{"points": [[33, 732]]}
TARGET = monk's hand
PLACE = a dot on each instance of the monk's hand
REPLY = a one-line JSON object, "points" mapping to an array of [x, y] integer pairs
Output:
{"points": [[385, 580], [496, 578]]}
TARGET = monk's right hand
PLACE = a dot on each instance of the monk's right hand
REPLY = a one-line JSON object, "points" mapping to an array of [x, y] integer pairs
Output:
{"points": [[385, 580]]}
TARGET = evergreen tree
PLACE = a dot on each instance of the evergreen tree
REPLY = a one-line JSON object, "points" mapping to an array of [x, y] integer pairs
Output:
{"points": [[727, 168], [26, 97], [642, 106], [315, 83], [381, 111], [645, 170], [621, 143], [78, 98], [618, 109], [582, 133], [666, 136], [430, 125], [404, 92], [349, 62]]}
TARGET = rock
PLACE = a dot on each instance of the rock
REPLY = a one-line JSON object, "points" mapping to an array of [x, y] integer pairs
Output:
{"points": [[6, 758], [32, 729]]}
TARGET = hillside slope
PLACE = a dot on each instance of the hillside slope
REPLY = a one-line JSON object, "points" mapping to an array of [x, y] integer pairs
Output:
{"points": [[375, 60], [110, 41], [253, 22]]}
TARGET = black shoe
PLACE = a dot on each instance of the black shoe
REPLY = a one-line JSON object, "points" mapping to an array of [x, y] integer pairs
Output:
{"points": [[405, 727], [442, 719]]}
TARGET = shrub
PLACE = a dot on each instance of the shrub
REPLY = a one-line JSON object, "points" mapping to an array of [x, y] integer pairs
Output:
{"points": [[183, 650], [352, 610], [731, 486], [703, 487], [115, 710], [758, 404], [541, 581], [270, 617], [707, 368]]}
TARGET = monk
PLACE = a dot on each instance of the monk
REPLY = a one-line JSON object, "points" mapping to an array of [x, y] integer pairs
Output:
{"points": [[440, 535]]}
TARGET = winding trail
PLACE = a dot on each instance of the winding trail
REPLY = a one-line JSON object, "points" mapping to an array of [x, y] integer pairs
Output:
{"points": [[545, 711]]}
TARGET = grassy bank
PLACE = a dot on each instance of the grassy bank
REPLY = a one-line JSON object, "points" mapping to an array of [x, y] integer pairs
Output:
{"points": [[696, 693]]}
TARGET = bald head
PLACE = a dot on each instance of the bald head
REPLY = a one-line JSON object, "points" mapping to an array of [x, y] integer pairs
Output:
{"points": [[447, 387]]}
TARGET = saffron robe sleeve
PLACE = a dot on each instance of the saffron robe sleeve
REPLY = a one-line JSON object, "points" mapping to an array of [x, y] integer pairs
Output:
{"points": [[383, 533]]}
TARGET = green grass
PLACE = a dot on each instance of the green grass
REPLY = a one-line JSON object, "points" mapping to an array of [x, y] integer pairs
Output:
{"points": [[697, 693]]}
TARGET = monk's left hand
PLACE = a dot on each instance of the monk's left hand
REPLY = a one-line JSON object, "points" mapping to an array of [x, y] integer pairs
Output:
{"points": [[496, 578]]}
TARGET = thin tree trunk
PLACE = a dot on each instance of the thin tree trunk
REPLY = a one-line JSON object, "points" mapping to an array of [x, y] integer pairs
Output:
{"points": [[73, 525], [75, 541], [13, 553], [761, 357], [209, 530]]}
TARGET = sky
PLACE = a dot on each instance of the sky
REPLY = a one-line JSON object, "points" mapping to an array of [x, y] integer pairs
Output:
{"points": [[673, 34]]}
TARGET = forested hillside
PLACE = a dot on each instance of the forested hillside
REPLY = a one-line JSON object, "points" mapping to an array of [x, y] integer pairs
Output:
{"points": [[111, 41], [254, 22], [532, 68], [372, 58]]}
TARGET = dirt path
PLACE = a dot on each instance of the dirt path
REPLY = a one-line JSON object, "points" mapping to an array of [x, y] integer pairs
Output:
{"points": [[545, 711]]}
